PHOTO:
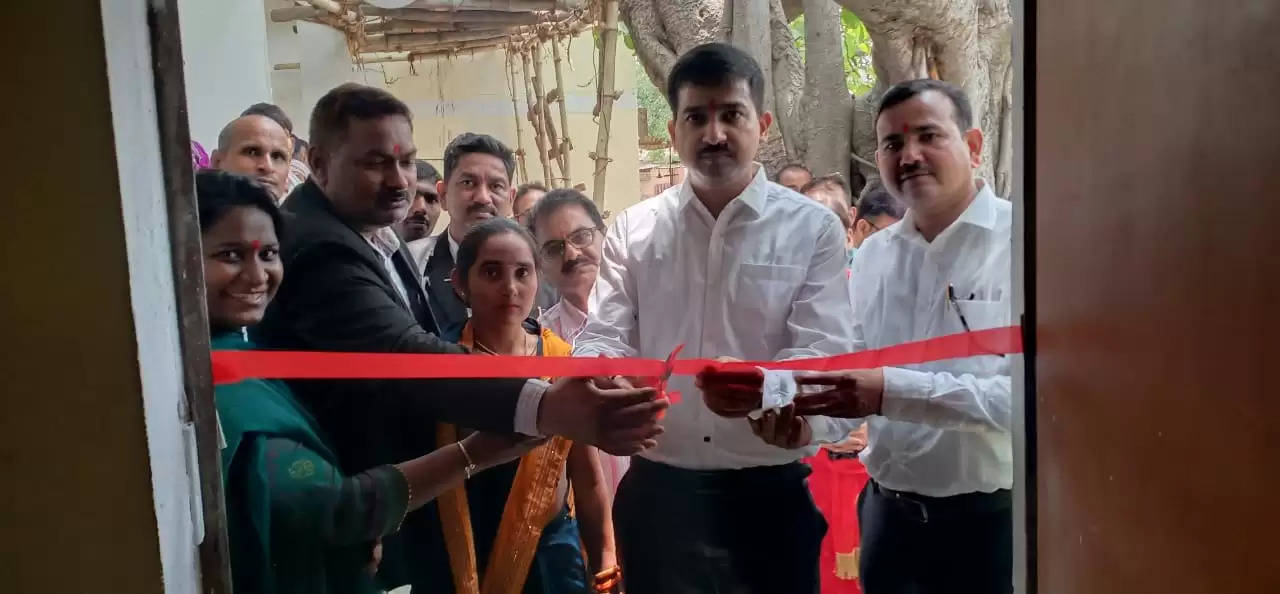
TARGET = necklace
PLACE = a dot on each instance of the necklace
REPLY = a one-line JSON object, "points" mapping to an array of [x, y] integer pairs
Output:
{"points": [[484, 348]]}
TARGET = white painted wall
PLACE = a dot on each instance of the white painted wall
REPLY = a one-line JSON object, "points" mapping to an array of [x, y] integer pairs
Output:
{"points": [[151, 287], [224, 45]]}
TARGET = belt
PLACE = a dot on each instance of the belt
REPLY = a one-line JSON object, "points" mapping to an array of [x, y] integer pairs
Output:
{"points": [[964, 503]]}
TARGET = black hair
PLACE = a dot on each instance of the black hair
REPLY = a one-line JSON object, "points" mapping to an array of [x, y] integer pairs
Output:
{"points": [[219, 192], [272, 111], [790, 166], [426, 171], [335, 110], [526, 188], [468, 142], [562, 198], [901, 92], [300, 147], [714, 65], [877, 201], [469, 247]]}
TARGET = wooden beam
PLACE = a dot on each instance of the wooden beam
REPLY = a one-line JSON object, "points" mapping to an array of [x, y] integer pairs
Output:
{"points": [[328, 5], [445, 47], [288, 66], [608, 56], [502, 5], [463, 16], [423, 55], [294, 13], [396, 42]]}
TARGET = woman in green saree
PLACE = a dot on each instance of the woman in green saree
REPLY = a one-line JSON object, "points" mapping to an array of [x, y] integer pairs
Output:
{"points": [[295, 522]]}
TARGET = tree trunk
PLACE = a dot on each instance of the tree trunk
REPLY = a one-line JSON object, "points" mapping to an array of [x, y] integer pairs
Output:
{"points": [[662, 30], [965, 42], [828, 106]]}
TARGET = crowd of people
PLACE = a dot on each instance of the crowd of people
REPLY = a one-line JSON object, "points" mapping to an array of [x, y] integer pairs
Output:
{"points": [[574, 485]]}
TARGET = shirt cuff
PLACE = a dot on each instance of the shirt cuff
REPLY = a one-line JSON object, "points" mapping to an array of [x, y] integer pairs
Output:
{"points": [[826, 430], [906, 393], [526, 421], [776, 391]]}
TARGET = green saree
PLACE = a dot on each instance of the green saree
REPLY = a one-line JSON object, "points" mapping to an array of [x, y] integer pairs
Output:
{"points": [[295, 522]]}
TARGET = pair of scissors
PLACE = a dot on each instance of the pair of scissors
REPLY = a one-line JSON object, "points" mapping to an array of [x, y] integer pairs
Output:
{"points": [[668, 369]]}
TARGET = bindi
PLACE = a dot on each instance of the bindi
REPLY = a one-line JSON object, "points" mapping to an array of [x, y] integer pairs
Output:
{"points": [[255, 245]]}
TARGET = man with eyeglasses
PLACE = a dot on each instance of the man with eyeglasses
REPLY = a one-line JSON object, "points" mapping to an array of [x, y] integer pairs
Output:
{"points": [[570, 231]]}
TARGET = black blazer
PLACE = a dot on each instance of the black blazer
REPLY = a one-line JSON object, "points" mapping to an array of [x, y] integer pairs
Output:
{"points": [[450, 310], [337, 296]]}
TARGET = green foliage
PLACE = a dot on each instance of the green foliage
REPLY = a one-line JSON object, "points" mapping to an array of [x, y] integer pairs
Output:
{"points": [[859, 76], [654, 102]]}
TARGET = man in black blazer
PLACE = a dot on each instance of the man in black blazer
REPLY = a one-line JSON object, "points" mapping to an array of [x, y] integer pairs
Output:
{"points": [[350, 286], [475, 188]]}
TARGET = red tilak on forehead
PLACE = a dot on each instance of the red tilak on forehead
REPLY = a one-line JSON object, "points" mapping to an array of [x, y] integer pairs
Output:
{"points": [[906, 128], [255, 245]]}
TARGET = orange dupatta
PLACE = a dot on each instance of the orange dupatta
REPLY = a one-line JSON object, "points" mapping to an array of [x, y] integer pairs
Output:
{"points": [[529, 507]]}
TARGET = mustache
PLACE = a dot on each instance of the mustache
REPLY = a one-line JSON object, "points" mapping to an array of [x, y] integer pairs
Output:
{"points": [[485, 208], [418, 216], [389, 195], [571, 265], [714, 149], [913, 169]]}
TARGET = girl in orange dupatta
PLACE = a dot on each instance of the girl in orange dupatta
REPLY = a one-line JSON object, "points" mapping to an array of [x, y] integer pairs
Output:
{"points": [[535, 546]]}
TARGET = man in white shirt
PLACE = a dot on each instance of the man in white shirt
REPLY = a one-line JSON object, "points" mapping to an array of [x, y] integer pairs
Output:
{"points": [[727, 264], [936, 516]]}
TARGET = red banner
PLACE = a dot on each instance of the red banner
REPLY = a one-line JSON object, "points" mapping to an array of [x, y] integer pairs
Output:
{"points": [[234, 366]]}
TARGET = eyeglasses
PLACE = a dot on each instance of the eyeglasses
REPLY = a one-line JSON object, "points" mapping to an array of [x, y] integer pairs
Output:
{"points": [[554, 249]]}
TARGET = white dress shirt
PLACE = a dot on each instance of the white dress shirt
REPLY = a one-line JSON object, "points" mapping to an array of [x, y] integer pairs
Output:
{"points": [[387, 243], [945, 425], [759, 282]]}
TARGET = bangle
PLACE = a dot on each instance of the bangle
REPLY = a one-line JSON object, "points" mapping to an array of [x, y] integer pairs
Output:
{"points": [[470, 468], [606, 580]]}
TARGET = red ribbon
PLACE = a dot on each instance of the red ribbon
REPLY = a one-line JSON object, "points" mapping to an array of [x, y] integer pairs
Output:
{"points": [[233, 366]]}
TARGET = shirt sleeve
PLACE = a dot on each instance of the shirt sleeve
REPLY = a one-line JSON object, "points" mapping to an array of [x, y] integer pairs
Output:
{"points": [[821, 320], [948, 401], [612, 326], [311, 499]]}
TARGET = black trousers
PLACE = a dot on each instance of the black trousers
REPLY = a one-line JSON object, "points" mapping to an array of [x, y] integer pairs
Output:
{"points": [[750, 531], [912, 544]]}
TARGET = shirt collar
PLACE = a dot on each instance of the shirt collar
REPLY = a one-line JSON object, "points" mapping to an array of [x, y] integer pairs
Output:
{"points": [[753, 196], [980, 213], [385, 241], [453, 246]]}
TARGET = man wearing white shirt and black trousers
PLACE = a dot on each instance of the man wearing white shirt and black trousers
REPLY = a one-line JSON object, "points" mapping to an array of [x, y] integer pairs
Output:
{"points": [[729, 265], [936, 515]]}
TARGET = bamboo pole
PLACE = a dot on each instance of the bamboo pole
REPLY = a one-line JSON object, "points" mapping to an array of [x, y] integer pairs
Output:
{"points": [[294, 13], [419, 48], [461, 16], [540, 95], [430, 51], [398, 40], [544, 113], [515, 110], [565, 144], [539, 133], [608, 55], [501, 5]]}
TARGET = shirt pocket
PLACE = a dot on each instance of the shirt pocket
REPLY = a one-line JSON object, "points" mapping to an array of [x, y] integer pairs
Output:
{"points": [[763, 293], [982, 315]]}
